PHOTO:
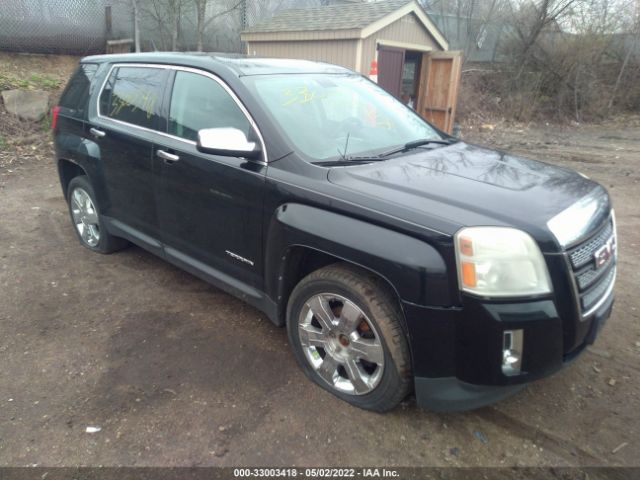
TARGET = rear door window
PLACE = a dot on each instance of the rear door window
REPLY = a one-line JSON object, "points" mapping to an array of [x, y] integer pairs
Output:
{"points": [[199, 102], [133, 95], [75, 97]]}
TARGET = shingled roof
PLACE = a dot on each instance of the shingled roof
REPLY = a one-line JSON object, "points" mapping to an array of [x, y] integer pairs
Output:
{"points": [[331, 17]]}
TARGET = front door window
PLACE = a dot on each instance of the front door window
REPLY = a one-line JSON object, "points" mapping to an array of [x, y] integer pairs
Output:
{"points": [[199, 102]]}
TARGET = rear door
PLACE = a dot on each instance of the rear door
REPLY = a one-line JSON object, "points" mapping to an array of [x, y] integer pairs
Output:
{"points": [[72, 112], [209, 206], [125, 129]]}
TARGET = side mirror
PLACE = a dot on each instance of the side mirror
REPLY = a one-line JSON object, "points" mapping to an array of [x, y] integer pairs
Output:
{"points": [[228, 142]]}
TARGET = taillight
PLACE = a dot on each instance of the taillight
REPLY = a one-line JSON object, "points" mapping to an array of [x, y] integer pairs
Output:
{"points": [[54, 116]]}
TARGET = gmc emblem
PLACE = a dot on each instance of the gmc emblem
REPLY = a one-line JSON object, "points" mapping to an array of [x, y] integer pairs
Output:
{"points": [[605, 252]]}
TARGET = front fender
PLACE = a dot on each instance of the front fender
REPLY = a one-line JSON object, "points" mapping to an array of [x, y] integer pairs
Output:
{"points": [[415, 269]]}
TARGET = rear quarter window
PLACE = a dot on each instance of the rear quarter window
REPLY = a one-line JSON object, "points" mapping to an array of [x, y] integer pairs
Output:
{"points": [[133, 95], [75, 98]]}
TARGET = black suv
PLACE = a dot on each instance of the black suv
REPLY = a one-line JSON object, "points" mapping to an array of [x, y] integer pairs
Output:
{"points": [[397, 257]]}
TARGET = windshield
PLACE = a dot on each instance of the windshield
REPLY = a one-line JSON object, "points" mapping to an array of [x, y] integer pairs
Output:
{"points": [[328, 116]]}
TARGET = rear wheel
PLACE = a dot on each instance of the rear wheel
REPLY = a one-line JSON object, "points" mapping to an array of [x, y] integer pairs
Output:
{"points": [[86, 218], [346, 331]]}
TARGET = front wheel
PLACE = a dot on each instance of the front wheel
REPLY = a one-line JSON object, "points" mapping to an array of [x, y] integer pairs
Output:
{"points": [[346, 331]]}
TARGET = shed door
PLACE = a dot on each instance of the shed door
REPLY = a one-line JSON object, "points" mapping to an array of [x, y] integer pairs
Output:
{"points": [[439, 85], [390, 64]]}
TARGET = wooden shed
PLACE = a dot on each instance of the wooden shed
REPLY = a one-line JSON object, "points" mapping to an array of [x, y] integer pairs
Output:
{"points": [[395, 37]]}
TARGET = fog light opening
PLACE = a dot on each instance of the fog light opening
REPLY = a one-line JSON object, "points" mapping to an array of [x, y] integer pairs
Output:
{"points": [[512, 352]]}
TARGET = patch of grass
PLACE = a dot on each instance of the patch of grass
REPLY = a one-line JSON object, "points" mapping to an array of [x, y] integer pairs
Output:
{"points": [[5, 82], [35, 81], [3, 143], [44, 82], [45, 123]]}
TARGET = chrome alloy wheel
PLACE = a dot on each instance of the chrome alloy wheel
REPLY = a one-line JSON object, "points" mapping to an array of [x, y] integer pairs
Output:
{"points": [[341, 344], [85, 217]]}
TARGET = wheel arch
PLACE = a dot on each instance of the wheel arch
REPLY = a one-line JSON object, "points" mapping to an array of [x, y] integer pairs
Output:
{"points": [[75, 156], [67, 171], [301, 239], [301, 260]]}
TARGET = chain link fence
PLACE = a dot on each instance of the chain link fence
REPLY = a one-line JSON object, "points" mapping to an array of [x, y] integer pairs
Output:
{"points": [[84, 26], [52, 26]]}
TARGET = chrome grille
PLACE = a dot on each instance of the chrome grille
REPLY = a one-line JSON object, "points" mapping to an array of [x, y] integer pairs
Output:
{"points": [[590, 298], [592, 284], [583, 254], [588, 277]]}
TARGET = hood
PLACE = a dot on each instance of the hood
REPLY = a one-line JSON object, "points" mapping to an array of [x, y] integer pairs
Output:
{"points": [[460, 185]]}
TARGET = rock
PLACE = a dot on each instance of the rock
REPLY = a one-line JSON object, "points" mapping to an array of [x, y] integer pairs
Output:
{"points": [[26, 104], [481, 436], [612, 382], [221, 452]]}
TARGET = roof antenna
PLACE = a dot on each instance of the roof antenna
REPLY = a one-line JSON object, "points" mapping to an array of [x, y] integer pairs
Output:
{"points": [[346, 145]]}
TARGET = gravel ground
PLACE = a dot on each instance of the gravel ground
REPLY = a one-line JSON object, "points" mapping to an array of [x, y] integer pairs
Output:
{"points": [[174, 372]]}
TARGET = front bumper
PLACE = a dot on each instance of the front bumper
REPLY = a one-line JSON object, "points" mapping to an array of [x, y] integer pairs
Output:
{"points": [[457, 352], [449, 394]]}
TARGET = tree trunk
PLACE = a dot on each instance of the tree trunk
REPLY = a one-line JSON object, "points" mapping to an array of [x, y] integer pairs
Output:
{"points": [[201, 10], [617, 85], [576, 100], [175, 27], [136, 26]]}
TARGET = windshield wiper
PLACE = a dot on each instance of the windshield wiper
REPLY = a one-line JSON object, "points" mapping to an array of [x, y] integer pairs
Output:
{"points": [[364, 158], [345, 160], [416, 144]]}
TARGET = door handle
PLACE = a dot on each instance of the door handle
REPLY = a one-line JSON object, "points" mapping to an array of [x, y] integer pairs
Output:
{"points": [[97, 133], [168, 158]]}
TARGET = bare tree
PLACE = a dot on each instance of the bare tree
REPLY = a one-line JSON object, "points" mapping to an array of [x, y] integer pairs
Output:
{"points": [[203, 20], [531, 18], [634, 42], [175, 9], [166, 14], [561, 57]]}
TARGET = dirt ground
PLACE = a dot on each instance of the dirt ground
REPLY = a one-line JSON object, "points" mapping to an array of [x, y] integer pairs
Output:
{"points": [[175, 372]]}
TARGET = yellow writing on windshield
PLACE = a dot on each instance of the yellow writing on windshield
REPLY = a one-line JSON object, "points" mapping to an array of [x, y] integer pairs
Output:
{"points": [[300, 95]]}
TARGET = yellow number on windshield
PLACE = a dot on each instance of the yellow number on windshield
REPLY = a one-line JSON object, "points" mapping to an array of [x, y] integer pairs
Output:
{"points": [[299, 96]]}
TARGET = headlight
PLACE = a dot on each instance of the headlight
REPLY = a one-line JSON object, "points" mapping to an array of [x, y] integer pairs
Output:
{"points": [[500, 262]]}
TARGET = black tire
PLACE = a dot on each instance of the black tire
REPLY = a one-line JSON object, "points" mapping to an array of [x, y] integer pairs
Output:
{"points": [[378, 303], [107, 243]]}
